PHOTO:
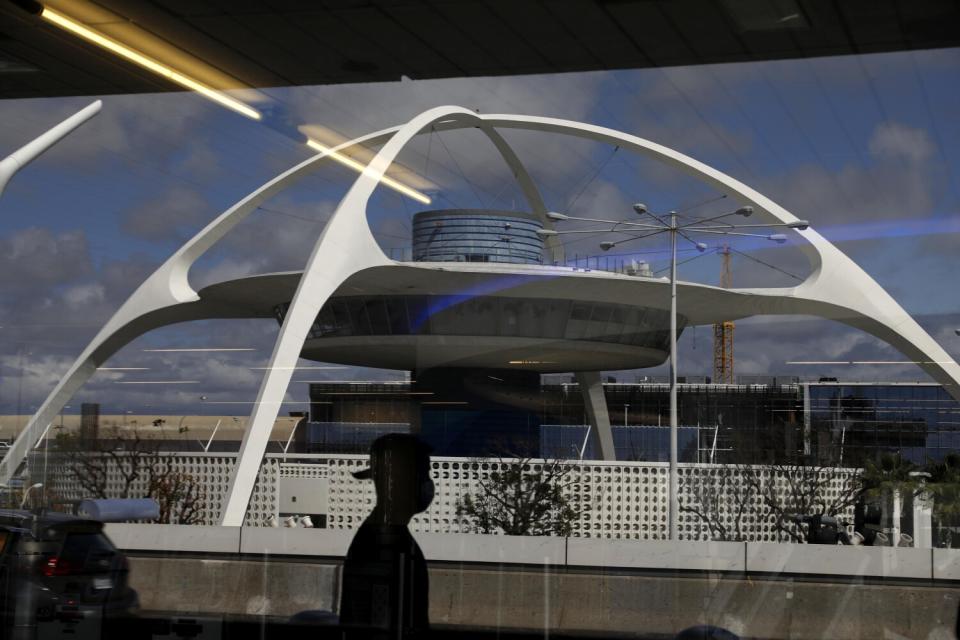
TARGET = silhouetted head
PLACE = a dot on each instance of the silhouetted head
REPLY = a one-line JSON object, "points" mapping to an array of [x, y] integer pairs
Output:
{"points": [[706, 632], [400, 469]]}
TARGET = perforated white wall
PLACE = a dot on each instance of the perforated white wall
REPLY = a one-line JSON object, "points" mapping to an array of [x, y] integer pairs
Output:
{"points": [[626, 500], [211, 471]]}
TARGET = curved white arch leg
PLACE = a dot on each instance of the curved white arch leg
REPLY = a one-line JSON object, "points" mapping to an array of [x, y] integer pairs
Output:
{"points": [[595, 402], [858, 300], [763, 206], [840, 290], [345, 247], [97, 352], [165, 289], [528, 187], [837, 288]]}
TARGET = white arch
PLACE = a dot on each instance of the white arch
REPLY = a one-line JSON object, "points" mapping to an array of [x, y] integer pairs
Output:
{"points": [[825, 292], [345, 247], [528, 187], [837, 288], [164, 298]]}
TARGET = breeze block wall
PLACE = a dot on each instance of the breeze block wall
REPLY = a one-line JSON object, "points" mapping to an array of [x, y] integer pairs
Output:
{"points": [[618, 500]]}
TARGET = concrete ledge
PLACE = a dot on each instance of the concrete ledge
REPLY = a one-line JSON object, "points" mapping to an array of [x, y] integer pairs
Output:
{"points": [[175, 538], [231, 586], [656, 554], [593, 602], [830, 560], [946, 564], [468, 588], [601, 603], [446, 547], [725, 557], [329, 543]]}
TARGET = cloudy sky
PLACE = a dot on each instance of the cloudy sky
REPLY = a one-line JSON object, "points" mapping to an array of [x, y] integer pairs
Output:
{"points": [[867, 148]]}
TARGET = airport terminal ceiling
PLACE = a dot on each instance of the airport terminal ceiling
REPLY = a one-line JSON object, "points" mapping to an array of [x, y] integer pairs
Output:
{"points": [[273, 44]]}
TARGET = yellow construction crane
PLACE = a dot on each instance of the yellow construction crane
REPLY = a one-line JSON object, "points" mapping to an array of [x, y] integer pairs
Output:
{"points": [[723, 331]]}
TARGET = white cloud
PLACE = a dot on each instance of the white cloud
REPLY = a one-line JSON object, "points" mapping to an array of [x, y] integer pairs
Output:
{"points": [[901, 184], [29, 376], [82, 295], [32, 258], [892, 140], [172, 214]]}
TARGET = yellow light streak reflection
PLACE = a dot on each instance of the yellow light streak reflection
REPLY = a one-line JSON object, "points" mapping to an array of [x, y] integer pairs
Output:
{"points": [[149, 64], [361, 168], [90, 35]]}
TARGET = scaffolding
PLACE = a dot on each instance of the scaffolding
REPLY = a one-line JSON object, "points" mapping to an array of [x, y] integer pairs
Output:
{"points": [[723, 331]]}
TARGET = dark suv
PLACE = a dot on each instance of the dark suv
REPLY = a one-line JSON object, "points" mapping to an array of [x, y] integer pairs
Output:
{"points": [[59, 574]]}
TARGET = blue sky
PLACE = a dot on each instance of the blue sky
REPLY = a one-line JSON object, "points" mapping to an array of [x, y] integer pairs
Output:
{"points": [[865, 147]]}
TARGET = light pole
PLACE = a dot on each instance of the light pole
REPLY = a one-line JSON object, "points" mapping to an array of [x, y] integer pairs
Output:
{"points": [[674, 511], [26, 493], [712, 225]]}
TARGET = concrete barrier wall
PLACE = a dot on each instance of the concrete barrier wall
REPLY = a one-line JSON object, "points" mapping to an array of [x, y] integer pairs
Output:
{"points": [[191, 585], [723, 557], [666, 604], [946, 564], [657, 555], [753, 589]]}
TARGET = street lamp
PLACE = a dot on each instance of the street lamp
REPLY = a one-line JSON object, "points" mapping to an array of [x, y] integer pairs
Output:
{"points": [[713, 225], [26, 493]]}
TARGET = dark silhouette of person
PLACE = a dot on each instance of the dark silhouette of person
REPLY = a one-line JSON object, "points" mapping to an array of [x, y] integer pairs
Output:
{"points": [[385, 584], [706, 632]]}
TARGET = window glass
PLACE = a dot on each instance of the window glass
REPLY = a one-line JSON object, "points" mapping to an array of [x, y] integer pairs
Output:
{"points": [[377, 315], [263, 273], [419, 314], [578, 323], [397, 316], [342, 326]]}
